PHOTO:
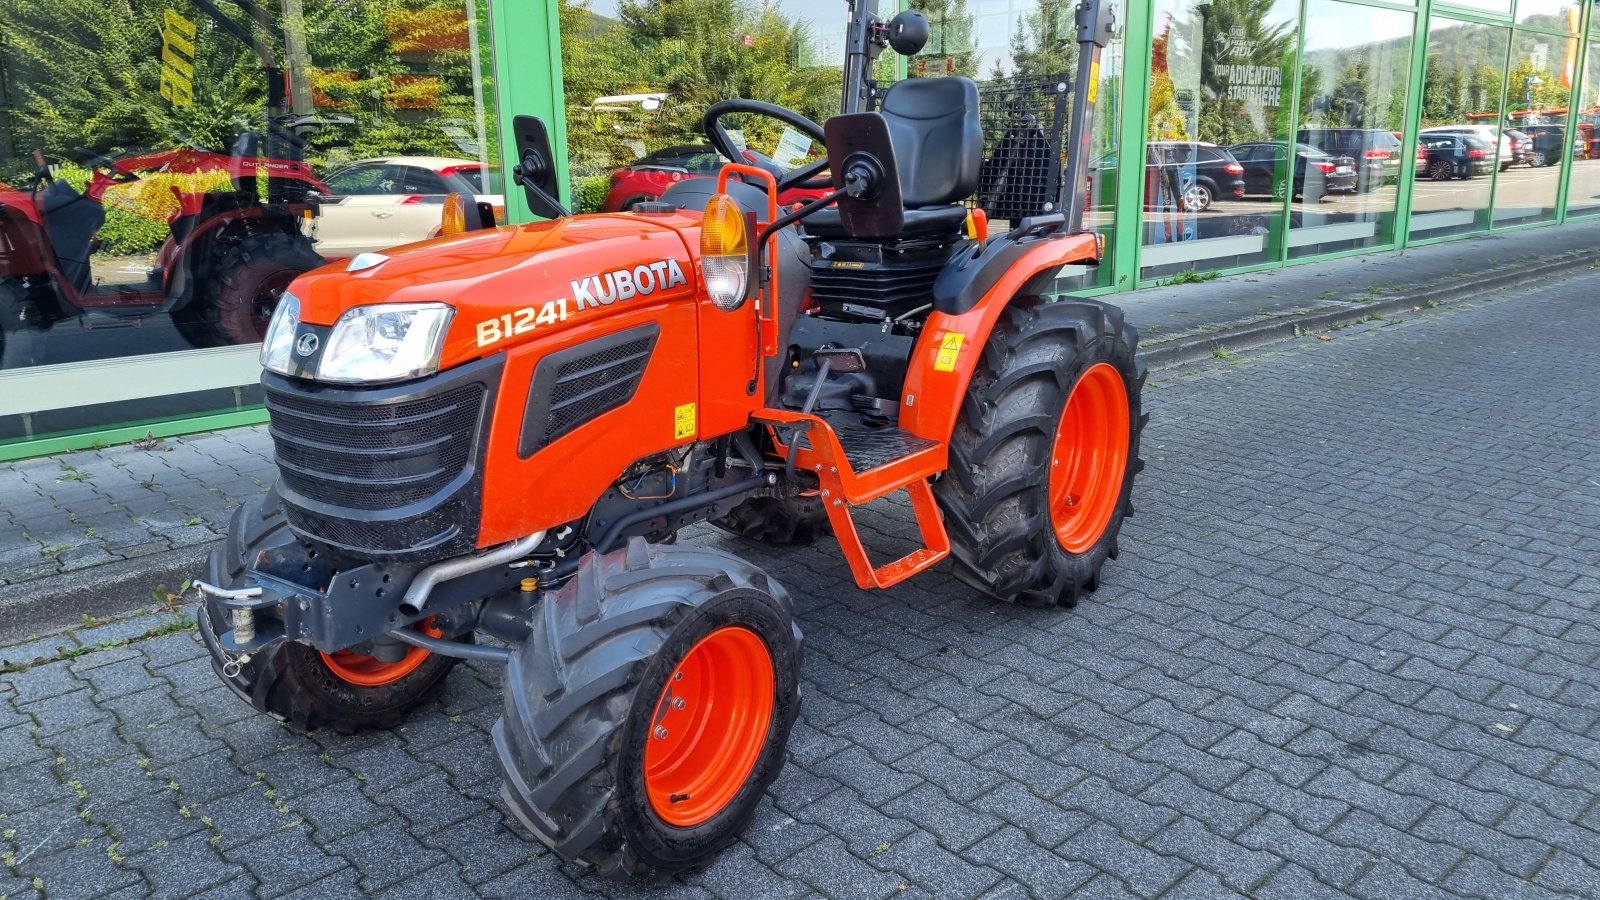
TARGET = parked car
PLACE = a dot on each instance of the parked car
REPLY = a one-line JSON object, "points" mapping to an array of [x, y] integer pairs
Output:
{"points": [[391, 200], [1316, 174], [1507, 156], [1202, 171], [649, 177], [1547, 143], [1521, 145], [1377, 152], [1455, 156]]}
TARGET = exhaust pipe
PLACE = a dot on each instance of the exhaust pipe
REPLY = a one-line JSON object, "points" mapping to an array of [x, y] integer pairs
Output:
{"points": [[416, 596]]}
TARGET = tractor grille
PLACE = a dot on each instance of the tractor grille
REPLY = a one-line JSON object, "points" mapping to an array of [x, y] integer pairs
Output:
{"points": [[374, 456], [386, 472]]}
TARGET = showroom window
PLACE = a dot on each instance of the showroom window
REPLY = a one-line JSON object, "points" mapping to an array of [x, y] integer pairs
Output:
{"points": [[1461, 129], [1583, 189], [1222, 78], [196, 156], [1353, 92]]}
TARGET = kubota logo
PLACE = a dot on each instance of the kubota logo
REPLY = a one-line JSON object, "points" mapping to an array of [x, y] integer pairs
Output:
{"points": [[623, 284]]}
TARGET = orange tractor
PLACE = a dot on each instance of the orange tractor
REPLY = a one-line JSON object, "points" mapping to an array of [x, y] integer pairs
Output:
{"points": [[500, 433]]}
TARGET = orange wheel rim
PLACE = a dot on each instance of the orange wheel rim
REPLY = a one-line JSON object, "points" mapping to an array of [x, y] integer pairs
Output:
{"points": [[709, 726], [1089, 457], [368, 671]]}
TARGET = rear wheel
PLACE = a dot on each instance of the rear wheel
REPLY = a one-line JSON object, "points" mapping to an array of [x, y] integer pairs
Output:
{"points": [[1044, 453], [795, 519], [649, 709], [346, 691], [1441, 170], [246, 284], [1197, 198]]}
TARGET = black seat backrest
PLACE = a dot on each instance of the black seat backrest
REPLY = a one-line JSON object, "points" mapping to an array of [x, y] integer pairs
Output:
{"points": [[938, 141]]}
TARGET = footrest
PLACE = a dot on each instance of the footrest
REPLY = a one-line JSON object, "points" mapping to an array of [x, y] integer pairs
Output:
{"points": [[896, 460]]}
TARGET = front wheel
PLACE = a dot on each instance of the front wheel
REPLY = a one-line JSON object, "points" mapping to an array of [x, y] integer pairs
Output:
{"points": [[1044, 453], [1197, 198], [347, 691], [247, 281], [1441, 170], [649, 708]]}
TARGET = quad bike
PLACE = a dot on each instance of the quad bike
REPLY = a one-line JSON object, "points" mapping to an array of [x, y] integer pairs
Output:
{"points": [[500, 433], [228, 256]]}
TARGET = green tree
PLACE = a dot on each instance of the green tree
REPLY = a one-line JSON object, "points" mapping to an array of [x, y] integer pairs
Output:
{"points": [[950, 34], [1042, 43]]}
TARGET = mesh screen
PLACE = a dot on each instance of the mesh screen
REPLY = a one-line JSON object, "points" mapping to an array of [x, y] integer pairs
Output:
{"points": [[1023, 120]]}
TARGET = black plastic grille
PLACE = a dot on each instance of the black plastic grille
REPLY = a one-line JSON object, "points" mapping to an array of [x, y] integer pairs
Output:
{"points": [[590, 385], [374, 456], [417, 535]]}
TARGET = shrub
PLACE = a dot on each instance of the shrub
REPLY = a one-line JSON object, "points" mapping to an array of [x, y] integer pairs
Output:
{"points": [[592, 192]]}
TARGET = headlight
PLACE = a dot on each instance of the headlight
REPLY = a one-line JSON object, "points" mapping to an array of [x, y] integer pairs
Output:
{"points": [[385, 343], [724, 252], [277, 348]]}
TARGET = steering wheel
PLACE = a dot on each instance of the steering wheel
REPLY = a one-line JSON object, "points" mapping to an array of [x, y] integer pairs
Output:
{"points": [[803, 178]]}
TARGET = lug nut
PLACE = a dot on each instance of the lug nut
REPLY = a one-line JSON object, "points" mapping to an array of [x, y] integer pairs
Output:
{"points": [[677, 676], [677, 703], [661, 732]]}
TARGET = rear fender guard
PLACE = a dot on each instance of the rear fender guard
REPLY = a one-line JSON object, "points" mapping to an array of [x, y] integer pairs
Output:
{"points": [[947, 353]]}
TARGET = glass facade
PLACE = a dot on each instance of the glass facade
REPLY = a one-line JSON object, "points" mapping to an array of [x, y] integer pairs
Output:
{"points": [[167, 167], [197, 154]]}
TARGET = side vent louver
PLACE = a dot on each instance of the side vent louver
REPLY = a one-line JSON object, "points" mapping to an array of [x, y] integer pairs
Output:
{"points": [[573, 386]]}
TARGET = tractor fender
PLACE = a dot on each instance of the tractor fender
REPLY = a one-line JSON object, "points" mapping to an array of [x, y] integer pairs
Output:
{"points": [[953, 337]]}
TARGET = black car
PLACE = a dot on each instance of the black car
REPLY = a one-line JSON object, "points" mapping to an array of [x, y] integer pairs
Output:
{"points": [[1377, 152], [1316, 174], [1547, 143], [1203, 172], [1456, 156]]}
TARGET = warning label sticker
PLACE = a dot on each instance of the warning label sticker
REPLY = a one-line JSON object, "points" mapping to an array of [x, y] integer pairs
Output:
{"points": [[949, 349], [683, 423]]}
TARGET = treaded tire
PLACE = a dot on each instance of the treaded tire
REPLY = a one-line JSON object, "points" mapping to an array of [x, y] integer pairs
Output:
{"points": [[995, 494], [581, 692], [291, 682], [227, 309], [794, 519]]}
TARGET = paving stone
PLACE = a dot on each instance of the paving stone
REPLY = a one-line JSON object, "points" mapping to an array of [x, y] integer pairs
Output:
{"points": [[1240, 867], [484, 846], [80, 871], [433, 803], [1331, 863], [185, 866], [1046, 875], [30, 785], [285, 860], [827, 866], [737, 873], [386, 854]]}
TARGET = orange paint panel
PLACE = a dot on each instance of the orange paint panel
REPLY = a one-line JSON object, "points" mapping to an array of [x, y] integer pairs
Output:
{"points": [[560, 482], [934, 389], [546, 277]]}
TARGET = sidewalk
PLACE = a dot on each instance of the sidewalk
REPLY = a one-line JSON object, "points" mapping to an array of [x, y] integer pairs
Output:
{"points": [[97, 531]]}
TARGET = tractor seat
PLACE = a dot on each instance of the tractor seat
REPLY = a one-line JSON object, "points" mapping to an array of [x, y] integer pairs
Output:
{"points": [[938, 149]]}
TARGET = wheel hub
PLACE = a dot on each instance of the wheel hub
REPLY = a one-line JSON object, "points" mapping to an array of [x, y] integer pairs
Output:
{"points": [[368, 671], [1089, 458], [709, 726]]}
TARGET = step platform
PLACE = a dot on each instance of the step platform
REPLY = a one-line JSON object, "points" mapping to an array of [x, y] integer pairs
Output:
{"points": [[856, 464]]}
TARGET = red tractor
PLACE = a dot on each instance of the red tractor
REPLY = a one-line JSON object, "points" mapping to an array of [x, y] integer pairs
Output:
{"points": [[501, 432]]}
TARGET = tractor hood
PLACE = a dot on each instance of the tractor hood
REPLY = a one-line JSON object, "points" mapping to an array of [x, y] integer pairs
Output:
{"points": [[509, 284]]}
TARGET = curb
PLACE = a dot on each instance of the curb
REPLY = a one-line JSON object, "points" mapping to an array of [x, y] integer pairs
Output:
{"points": [[57, 602], [1180, 351]]}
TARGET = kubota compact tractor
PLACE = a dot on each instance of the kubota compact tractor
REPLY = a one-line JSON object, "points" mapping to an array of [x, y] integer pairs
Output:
{"points": [[499, 433]]}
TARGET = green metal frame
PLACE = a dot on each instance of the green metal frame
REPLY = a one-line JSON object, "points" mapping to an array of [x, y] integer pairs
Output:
{"points": [[528, 82], [133, 431]]}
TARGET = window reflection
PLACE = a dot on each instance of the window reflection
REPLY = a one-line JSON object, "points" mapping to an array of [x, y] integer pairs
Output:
{"points": [[1221, 76], [1461, 99], [1353, 93], [1536, 122], [1583, 190]]}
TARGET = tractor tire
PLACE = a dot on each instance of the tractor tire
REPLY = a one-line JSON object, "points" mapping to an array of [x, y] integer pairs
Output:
{"points": [[1044, 452], [234, 306], [345, 691], [796, 519], [649, 709]]}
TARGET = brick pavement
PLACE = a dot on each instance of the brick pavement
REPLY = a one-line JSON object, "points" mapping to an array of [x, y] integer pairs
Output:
{"points": [[1350, 650]]}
